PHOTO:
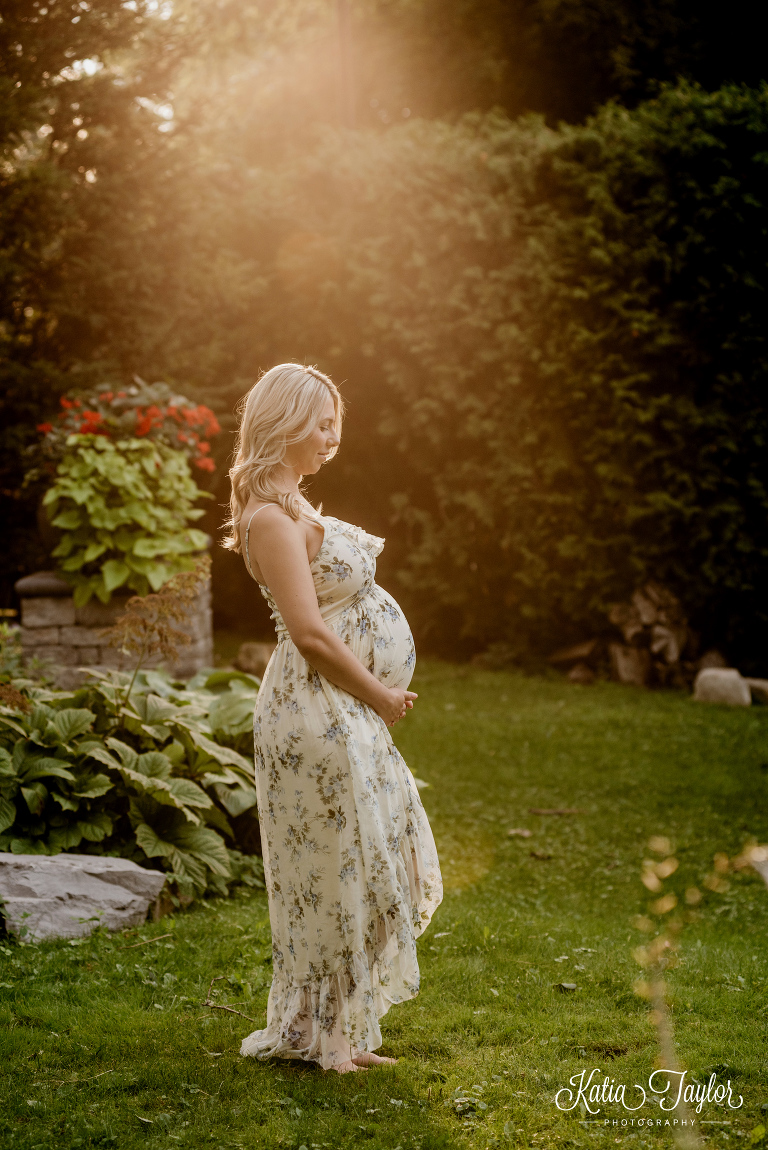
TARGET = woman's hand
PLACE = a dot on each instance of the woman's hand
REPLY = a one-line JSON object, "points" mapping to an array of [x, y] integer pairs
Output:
{"points": [[394, 704]]}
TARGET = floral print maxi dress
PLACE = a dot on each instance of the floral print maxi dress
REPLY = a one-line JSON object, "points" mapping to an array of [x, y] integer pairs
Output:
{"points": [[351, 869]]}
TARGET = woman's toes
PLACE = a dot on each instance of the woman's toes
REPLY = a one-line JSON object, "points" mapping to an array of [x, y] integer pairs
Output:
{"points": [[365, 1058], [347, 1067]]}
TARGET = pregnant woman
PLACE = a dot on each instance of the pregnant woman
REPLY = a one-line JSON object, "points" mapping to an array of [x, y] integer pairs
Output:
{"points": [[350, 863]]}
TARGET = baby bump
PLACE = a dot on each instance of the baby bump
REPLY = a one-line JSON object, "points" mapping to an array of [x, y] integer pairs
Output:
{"points": [[377, 631]]}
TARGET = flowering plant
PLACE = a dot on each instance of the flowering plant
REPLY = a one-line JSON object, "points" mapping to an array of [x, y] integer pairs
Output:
{"points": [[143, 410]]}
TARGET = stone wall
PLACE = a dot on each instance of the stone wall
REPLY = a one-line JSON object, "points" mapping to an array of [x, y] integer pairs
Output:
{"points": [[69, 638]]}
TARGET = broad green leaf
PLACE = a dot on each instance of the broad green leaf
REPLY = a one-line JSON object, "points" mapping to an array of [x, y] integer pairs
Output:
{"points": [[71, 722], [220, 754], [6, 763], [100, 753], [114, 572], [34, 796], [7, 814], [206, 846], [12, 725], [155, 847], [235, 800], [159, 789], [218, 820], [65, 838], [94, 788], [73, 562], [225, 678], [158, 574], [189, 793], [154, 764], [95, 826], [128, 756], [45, 768], [68, 520], [153, 709], [232, 713], [65, 803], [93, 551], [25, 846], [83, 594]]}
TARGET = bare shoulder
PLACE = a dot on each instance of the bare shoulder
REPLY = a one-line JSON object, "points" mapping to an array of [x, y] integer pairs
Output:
{"points": [[269, 522]]}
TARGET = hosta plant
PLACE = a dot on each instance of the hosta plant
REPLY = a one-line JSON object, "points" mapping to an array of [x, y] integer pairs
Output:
{"points": [[156, 776]]}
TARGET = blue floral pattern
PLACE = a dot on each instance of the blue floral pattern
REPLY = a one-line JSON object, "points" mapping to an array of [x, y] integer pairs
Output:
{"points": [[350, 863]]}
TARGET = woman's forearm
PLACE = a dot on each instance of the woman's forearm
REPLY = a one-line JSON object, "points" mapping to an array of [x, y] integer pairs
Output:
{"points": [[330, 655]]}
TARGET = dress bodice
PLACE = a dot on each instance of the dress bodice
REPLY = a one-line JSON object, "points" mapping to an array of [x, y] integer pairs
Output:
{"points": [[344, 569], [352, 604]]}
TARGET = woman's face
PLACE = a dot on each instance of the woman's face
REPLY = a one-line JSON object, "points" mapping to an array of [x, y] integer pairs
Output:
{"points": [[308, 456]]}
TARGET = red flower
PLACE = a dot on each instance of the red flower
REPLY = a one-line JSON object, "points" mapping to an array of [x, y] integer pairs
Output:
{"points": [[204, 448], [106, 397], [121, 395], [44, 428], [66, 402], [91, 421], [202, 416], [205, 464]]}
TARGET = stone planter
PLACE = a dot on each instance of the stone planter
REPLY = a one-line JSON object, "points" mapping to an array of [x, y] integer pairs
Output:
{"points": [[69, 638]]}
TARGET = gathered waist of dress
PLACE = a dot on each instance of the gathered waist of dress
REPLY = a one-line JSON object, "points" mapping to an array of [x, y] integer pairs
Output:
{"points": [[329, 616]]}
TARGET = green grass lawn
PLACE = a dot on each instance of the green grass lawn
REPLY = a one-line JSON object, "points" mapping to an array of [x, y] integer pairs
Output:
{"points": [[106, 1044]]}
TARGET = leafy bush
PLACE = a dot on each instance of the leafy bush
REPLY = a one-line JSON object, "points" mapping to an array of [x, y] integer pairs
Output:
{"points": [[154, 776], [124, 509]]}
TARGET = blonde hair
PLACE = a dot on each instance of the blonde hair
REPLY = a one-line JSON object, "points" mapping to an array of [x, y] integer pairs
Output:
{"points": [[282, 408]]}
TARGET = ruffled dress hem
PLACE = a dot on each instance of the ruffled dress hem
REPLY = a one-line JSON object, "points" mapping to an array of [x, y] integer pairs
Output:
{"points": [[331, 1018]]}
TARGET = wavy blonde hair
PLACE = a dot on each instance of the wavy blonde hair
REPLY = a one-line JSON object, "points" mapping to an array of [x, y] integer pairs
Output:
{"points": [[282, 408]]}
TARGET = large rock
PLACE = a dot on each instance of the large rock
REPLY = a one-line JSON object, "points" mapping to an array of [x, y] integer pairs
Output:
{"points": [[722, 685], [68, 895]]}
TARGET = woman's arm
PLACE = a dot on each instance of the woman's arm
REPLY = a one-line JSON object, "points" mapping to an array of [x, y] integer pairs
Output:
{"points": [[280, 550]]}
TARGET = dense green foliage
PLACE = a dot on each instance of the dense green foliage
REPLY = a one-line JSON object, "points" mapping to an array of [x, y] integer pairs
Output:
{"points": [[123, 508], [114, 1047], [550, 339], [154, 776], [559, 57], [555, 346], [83, 237]]}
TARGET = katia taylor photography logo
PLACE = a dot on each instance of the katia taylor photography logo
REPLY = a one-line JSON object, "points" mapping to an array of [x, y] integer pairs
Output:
{"points": [[669, 1089]]}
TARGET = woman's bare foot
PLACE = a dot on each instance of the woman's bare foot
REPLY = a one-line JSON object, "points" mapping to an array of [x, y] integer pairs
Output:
{"points": [[348, 1067], [366, 1058]]}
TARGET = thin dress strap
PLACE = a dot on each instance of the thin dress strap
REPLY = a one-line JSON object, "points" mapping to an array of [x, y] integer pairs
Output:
{"points": [[247, 542]]}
